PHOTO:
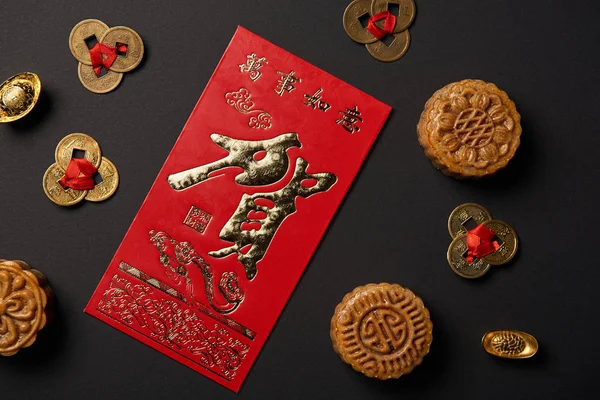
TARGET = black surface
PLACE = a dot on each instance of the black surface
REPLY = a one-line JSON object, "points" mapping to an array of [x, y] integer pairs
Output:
{"points": [[391, 227]]}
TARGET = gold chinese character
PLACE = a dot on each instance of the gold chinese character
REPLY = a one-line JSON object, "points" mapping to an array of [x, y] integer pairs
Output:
{"points": [[349, 119], [268, 170], [282, 204], [252, 66], [315, 101], [286, 82]]}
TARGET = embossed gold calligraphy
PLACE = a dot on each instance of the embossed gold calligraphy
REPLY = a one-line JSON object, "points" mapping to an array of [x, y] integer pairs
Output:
{"points": [[197, 219], [241, 101], [349, 119], [315, 101], [286, 82], [268, 210], [176, 257], [268, 170], [282, 202], [252, 66]]}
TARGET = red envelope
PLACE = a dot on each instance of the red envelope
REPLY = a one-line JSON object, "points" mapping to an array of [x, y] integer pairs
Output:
{"points": [[238, 209]]}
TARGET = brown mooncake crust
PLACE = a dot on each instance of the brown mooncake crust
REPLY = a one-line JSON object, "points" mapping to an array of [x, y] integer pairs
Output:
{"points": [[382, 330], [24, 295], [470, 129]]}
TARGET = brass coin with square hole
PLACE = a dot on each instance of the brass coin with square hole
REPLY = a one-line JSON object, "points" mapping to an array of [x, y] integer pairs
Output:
{"points": [[110, 182], [352, 23], [509, 239], [406, 12], [81, 32], [462, 214], [135, 47], [399, 46], [55, 191], [456, 259], [98, 84], [77, 141]]}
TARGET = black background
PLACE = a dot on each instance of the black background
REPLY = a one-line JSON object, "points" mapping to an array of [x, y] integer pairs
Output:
{"points": [[391, 227]]}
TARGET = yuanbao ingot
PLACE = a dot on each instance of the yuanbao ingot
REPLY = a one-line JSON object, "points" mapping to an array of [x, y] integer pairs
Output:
{"points": [[510, 344], [18, 95], [25, 303], [376, 29]]}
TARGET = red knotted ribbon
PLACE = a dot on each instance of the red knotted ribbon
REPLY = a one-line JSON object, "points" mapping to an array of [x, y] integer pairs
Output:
{"points": [[479, 242], [388, 25], [100, 50], [79, 175]]}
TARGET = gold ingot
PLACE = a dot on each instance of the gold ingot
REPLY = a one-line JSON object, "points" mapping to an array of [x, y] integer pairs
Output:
{"points": [[77, 141], [396, 49], [135, 47], [352, 24], [510, 344], [456, 259], [110, 182], [18, 95], [462, 214], [406, 12], [56, 193], [81, 32], [509, 246], [98, 84]]}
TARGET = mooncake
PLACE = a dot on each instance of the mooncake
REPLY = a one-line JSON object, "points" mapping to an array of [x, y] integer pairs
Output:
{"points": [[382, 330], [470, 129], [24, 295]]}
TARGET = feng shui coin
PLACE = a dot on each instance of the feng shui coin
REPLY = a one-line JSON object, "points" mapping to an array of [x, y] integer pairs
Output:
{"points": [[510, 344], [98, 84], [399, 46], [456, 259], [406, 12], [462, 214], [135, 47], [81, 33], [508, 247], [352, 23], [77, 141], [18, 95], [24, 299], [381, 330], [110, 182], [55, 191]]}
